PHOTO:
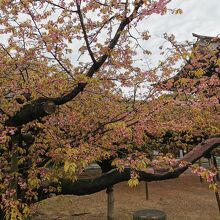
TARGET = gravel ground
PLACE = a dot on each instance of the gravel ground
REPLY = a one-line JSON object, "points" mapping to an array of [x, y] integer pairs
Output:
{"points": [[184, 198]]}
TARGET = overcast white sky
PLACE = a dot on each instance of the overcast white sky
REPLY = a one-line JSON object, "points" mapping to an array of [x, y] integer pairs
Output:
{"points": [[199, 16]]}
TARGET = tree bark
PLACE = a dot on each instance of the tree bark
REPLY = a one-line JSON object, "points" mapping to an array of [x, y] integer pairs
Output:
{"points": [[36, 109], [89, 186]]}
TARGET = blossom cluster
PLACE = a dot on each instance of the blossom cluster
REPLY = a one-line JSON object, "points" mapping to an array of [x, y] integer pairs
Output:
{"points": [[208, 175]]}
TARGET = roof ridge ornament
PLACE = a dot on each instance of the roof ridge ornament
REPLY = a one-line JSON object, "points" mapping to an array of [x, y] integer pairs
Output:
{"points": [[203, 37]]}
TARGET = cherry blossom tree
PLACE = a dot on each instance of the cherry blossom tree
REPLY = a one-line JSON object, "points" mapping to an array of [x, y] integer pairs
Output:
{"points": [[64, 69]]}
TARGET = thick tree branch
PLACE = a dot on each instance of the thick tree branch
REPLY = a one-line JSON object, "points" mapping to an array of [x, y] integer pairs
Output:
{"points": [[36, 109], [89, 186]]}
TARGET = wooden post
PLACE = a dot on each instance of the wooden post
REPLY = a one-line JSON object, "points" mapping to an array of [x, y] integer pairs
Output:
{"points": [[146, 191], [200, 164], [216, 192], [218, 200], [110, 203], [216, 167], [210, 162]]}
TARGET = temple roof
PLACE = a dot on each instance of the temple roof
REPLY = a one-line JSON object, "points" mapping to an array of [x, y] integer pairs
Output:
{"points": [[203, 52], [202, 37]]}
